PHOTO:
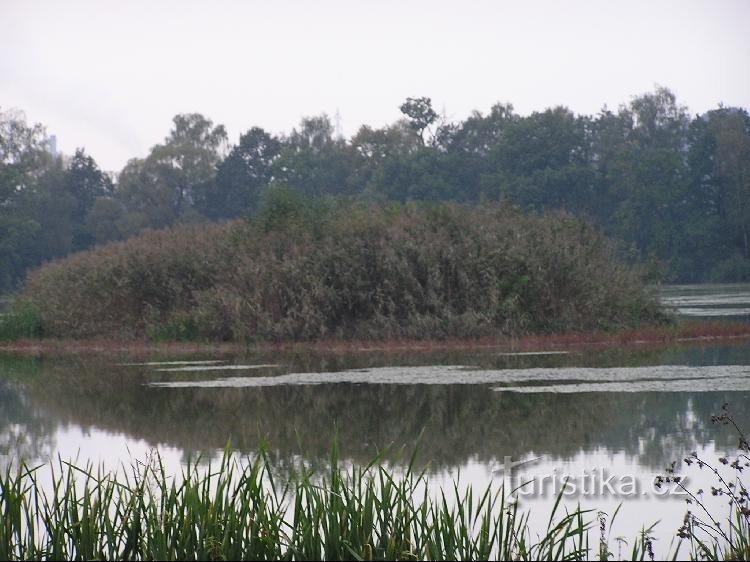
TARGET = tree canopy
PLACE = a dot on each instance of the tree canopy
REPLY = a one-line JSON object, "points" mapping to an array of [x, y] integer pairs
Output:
{"points": [[673, 188]]}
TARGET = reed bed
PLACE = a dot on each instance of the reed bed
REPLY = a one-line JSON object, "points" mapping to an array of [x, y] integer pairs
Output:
{"points": [[345, 272], [242, 511]]}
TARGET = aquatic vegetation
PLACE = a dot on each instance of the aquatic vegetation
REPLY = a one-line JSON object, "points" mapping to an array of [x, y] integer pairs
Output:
{"points": [[348, 271], [231, 512], [243, 509], [21, 321]]}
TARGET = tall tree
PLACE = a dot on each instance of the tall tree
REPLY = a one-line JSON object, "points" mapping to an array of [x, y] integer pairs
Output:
{"points": [[542, 161], [22, 160], [187, 160], [719, 161], [163, 187], [733, 167], [312, 161], [420, 114], [242, 174], [85, 182], [377, 156]]}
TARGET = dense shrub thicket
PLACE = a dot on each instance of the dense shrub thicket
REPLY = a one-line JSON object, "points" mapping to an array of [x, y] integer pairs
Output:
{"points": [[302, 271]]}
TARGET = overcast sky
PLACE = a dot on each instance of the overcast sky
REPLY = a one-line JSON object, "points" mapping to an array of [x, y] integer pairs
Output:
{"points": [[109, 76]]}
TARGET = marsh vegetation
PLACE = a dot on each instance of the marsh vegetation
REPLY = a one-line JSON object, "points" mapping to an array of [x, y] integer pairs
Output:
{"points": [[304, 271]]}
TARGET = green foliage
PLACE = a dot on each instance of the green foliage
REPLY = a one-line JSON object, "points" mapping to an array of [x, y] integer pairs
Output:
{"points": [[307, 269], [21, 321], [420, 114], [672, 187], [165, 187], [235, 512], [182, 328], [285, 209], [244, 511], [241, 176], [734, 269], [22, 160]]}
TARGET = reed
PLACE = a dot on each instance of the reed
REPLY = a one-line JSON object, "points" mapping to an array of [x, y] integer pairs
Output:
{"points": [[237, 510], [243, 511], [21, 321], [348, 271]]}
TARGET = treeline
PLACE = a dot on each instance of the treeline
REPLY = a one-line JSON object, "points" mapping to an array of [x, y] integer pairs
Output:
{"points": [[306, 270], [674, 188]]}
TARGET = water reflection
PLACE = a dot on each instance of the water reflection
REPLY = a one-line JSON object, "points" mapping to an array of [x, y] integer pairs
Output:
{"points": [[461, 422], [115, 410], [26, 431]]}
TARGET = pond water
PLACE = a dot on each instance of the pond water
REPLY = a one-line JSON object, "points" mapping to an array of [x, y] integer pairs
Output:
{"points": [[607, 420], [708, 300]]}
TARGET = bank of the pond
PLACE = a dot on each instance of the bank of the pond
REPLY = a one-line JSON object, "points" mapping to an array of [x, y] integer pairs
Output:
{"points": [[681, 331]]}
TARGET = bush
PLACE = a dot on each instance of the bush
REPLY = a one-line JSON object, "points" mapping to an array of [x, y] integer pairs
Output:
{"points": [[348, 271]]}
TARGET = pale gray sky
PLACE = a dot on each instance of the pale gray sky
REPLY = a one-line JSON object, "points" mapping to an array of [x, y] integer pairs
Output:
{"points": [[109, 76]]}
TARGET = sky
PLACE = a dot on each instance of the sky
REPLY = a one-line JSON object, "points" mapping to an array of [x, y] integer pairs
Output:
{"points": [[109, 76]]}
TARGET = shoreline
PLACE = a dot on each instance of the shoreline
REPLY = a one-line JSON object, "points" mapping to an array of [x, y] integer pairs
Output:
{"points": [[681, 332]]}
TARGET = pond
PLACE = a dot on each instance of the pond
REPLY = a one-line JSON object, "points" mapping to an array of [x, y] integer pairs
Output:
{"points": [[714, 301], [607, 420]]}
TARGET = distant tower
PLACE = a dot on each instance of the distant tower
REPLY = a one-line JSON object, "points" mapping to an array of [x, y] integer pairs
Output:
{"points": [[52, 145], [338, 130]]}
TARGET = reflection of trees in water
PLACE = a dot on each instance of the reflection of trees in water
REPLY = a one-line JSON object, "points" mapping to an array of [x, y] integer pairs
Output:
{"points": [[460, 421], [25, 431]]}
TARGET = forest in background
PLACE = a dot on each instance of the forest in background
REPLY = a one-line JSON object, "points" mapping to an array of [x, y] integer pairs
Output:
{"points": [[673, 188]]}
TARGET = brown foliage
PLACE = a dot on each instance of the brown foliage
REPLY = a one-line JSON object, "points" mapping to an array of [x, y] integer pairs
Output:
{"points": [[350, 271]]}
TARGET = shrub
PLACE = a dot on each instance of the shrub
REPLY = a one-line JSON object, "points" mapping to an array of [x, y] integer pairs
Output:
{"points": [[348, 271]]}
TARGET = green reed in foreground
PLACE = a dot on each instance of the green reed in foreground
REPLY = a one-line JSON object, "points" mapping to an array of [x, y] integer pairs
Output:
{"points": [[238, 511], [245, 513]]}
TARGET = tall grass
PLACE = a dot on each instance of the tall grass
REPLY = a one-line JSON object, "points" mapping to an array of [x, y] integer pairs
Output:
{"points": [[244, 510], [232, 512], [20, 321], [347, 271]]}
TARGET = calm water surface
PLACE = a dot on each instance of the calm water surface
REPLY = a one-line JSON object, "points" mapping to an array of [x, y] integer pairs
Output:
{"points": [[708, 300], [607, 420]]}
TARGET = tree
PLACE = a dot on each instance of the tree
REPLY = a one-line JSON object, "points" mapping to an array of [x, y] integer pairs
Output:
{"points": [[420, 114], [243, 173], [187, 160], [165, 186], [149, 200], [85, 182], [542, 161], [640, 155], [733, 166], [23, 159], [54, 209], [720, 168], [311, 161], [106, 220], [374, 150]]}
